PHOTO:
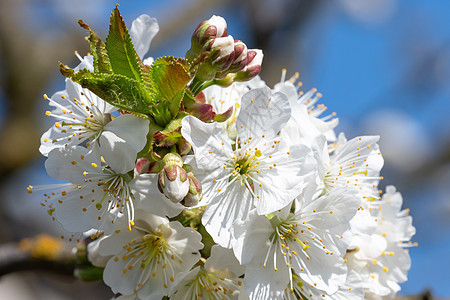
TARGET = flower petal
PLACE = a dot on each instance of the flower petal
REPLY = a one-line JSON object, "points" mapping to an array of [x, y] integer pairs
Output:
{"points": [[262, 113], [69, 163], [300, 129], [118, 154], [234, 204], [224, 259], [130, 128], [70, 212], [265, 283], [142, 31], [149, 198], [281, 184], [249, 235], [210, 141]]}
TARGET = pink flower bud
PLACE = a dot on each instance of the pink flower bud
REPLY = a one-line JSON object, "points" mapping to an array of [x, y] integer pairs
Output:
{"points": [[220, 24], [221, 49], [209, 29], [173, 181], [204, 112], [240, 57], [253, 67], [239, 62], [220, 56]]}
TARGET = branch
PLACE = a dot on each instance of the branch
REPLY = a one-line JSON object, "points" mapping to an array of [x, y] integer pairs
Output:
{"points": [[43, 253]]}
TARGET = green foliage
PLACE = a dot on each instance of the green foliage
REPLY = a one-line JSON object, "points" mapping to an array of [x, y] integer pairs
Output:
{"points": [[98, 49], [171, 133], [118, 90], [174, 125], [170, 76], [120, 49], [123, 80]]}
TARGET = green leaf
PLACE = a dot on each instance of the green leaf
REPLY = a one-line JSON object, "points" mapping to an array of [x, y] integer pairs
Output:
{"points": [[161, 113], [121, 52], [171, 133], [65, 70], [169, 77], [145, 71], [118, 90], [173, 125], [98, 50]]}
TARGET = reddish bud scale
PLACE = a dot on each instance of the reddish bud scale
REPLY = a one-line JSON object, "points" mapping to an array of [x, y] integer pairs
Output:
{"points": [[184, 147], [248, 74], [200, 98], [241, 58], [253, 68], [163, 140], [251, 54], [142, 165], [195, 184], [173, 171], [204, 112], [195, 191]]}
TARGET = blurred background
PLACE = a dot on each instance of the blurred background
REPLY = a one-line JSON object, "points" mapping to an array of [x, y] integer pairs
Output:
{"points": [[382, 65]]}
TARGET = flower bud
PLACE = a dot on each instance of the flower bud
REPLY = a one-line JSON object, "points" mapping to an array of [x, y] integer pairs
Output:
{"points": [[220, 24], [195, 193], [143, 165], [209, 29], [220, 57], [173, 181], [240, 57], [253, 67], [204, 112], [222, 51]]}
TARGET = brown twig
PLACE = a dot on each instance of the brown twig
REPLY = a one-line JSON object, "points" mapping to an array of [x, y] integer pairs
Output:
{"points": [[43, 253]]}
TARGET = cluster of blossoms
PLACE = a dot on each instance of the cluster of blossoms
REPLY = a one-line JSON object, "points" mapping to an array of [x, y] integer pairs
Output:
{"points": [[197, 181]]}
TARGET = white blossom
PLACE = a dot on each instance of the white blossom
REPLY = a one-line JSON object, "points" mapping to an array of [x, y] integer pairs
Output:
{"points": [[96, 194], [382, 260], [292, 88], [351, 290], [146, 260], [311, 241], [82, 117], [222, 99], [217, 279], [142, 31], [258, 169]]}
